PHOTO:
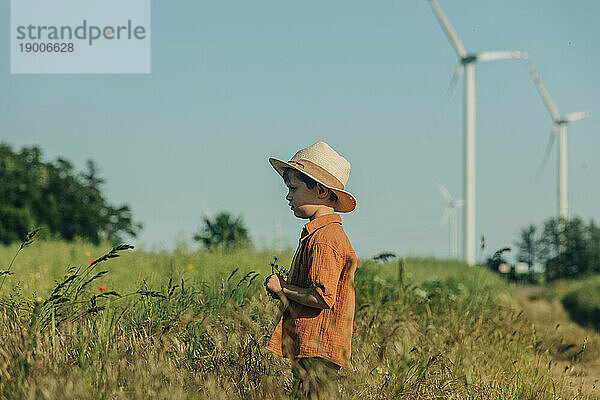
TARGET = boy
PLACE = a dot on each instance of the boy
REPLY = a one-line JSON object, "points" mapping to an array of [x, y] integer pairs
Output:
{"points": [[317, 299]]}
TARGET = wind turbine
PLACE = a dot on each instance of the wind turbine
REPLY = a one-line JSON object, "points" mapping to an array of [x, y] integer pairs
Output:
{"points": [[450, 214], [559, 124], [467, 63]]}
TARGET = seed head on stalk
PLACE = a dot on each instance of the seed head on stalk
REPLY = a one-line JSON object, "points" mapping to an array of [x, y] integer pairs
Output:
{"points": [[26, 242]]}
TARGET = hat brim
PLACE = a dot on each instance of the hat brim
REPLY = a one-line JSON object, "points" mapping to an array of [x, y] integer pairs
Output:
{"points": [[346, 202]]}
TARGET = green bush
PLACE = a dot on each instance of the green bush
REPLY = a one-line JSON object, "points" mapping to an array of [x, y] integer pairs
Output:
{"points": [[583, 303]]}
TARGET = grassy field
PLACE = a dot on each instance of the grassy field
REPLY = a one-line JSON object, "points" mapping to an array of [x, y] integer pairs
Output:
{"points": [[193, 325]]}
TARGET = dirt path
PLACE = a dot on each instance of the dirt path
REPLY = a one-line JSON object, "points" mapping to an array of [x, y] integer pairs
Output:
{"points": [[565, 339]]}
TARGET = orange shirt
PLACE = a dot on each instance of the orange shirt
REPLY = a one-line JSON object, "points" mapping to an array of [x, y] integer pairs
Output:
{"points": [[326, 261]]}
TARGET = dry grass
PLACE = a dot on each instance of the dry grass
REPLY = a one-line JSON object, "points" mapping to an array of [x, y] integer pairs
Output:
{"points": [[574, 351], [433, 329]]}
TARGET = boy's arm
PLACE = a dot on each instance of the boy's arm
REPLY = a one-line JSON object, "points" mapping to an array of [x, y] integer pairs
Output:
{"points": [[306, 296]]}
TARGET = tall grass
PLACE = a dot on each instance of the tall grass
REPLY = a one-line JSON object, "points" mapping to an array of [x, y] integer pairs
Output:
{"points": [[194, 325]]}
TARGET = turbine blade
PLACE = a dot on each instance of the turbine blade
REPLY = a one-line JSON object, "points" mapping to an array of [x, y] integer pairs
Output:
{"points": [[500, 55], [457, 73], [576, 116], [546, 154], [449, 92], [443, 190], [445, 217], [450, 32], [545, 96]]}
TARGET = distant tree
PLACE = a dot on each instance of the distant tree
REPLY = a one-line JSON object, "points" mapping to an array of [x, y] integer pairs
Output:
{"points": [[55, 197], [575, 248], [15, 223], [549, 247], [494, 261], [223, 231], [383, 257], [565, 248], [528, 246], [593, 250]]}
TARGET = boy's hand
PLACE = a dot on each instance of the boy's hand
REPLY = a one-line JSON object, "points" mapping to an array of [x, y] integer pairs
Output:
{"points": [[274, 285]]}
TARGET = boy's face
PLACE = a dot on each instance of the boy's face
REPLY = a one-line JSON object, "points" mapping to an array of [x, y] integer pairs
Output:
{"points": [[304, 202]]}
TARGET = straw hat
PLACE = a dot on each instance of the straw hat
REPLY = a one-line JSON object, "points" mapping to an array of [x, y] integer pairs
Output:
{"points": [[324, 165]]}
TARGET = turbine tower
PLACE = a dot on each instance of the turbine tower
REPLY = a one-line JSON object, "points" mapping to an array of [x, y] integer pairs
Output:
{"points": [[450, 214], [558, 124], [467, 63]]}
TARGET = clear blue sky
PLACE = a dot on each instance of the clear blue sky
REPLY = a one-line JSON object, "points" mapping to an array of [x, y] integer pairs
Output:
{"points": [[235, 82]]}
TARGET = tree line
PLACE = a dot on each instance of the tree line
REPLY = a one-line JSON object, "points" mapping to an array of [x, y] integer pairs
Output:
{"points": [[53, 196], [565, 248]]}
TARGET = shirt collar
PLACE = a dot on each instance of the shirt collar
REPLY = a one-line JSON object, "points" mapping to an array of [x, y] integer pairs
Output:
{"points": [[321, 221]]}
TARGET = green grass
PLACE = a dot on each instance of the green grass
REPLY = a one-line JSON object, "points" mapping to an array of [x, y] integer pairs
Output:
{"points": [[41, 264], [582, 301], [187, 327]]}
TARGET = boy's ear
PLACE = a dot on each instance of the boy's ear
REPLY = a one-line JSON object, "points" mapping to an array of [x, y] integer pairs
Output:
{"points": [[323, 191]]}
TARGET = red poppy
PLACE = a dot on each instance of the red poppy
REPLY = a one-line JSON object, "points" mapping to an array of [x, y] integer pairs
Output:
{"points": [[102, 288], [92, 261]]}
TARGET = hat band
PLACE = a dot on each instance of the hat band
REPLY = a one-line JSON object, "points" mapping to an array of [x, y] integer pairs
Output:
{"points": [[317, 172]]}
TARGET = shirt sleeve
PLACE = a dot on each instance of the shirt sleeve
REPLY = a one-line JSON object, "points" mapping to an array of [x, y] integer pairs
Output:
{"points": [[325, 271]]}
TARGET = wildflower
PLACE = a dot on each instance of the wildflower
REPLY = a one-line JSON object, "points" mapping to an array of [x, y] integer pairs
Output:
{"points": [[276, 269], [91, 261], [190, 266], [102, 289], [87, 253]]}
